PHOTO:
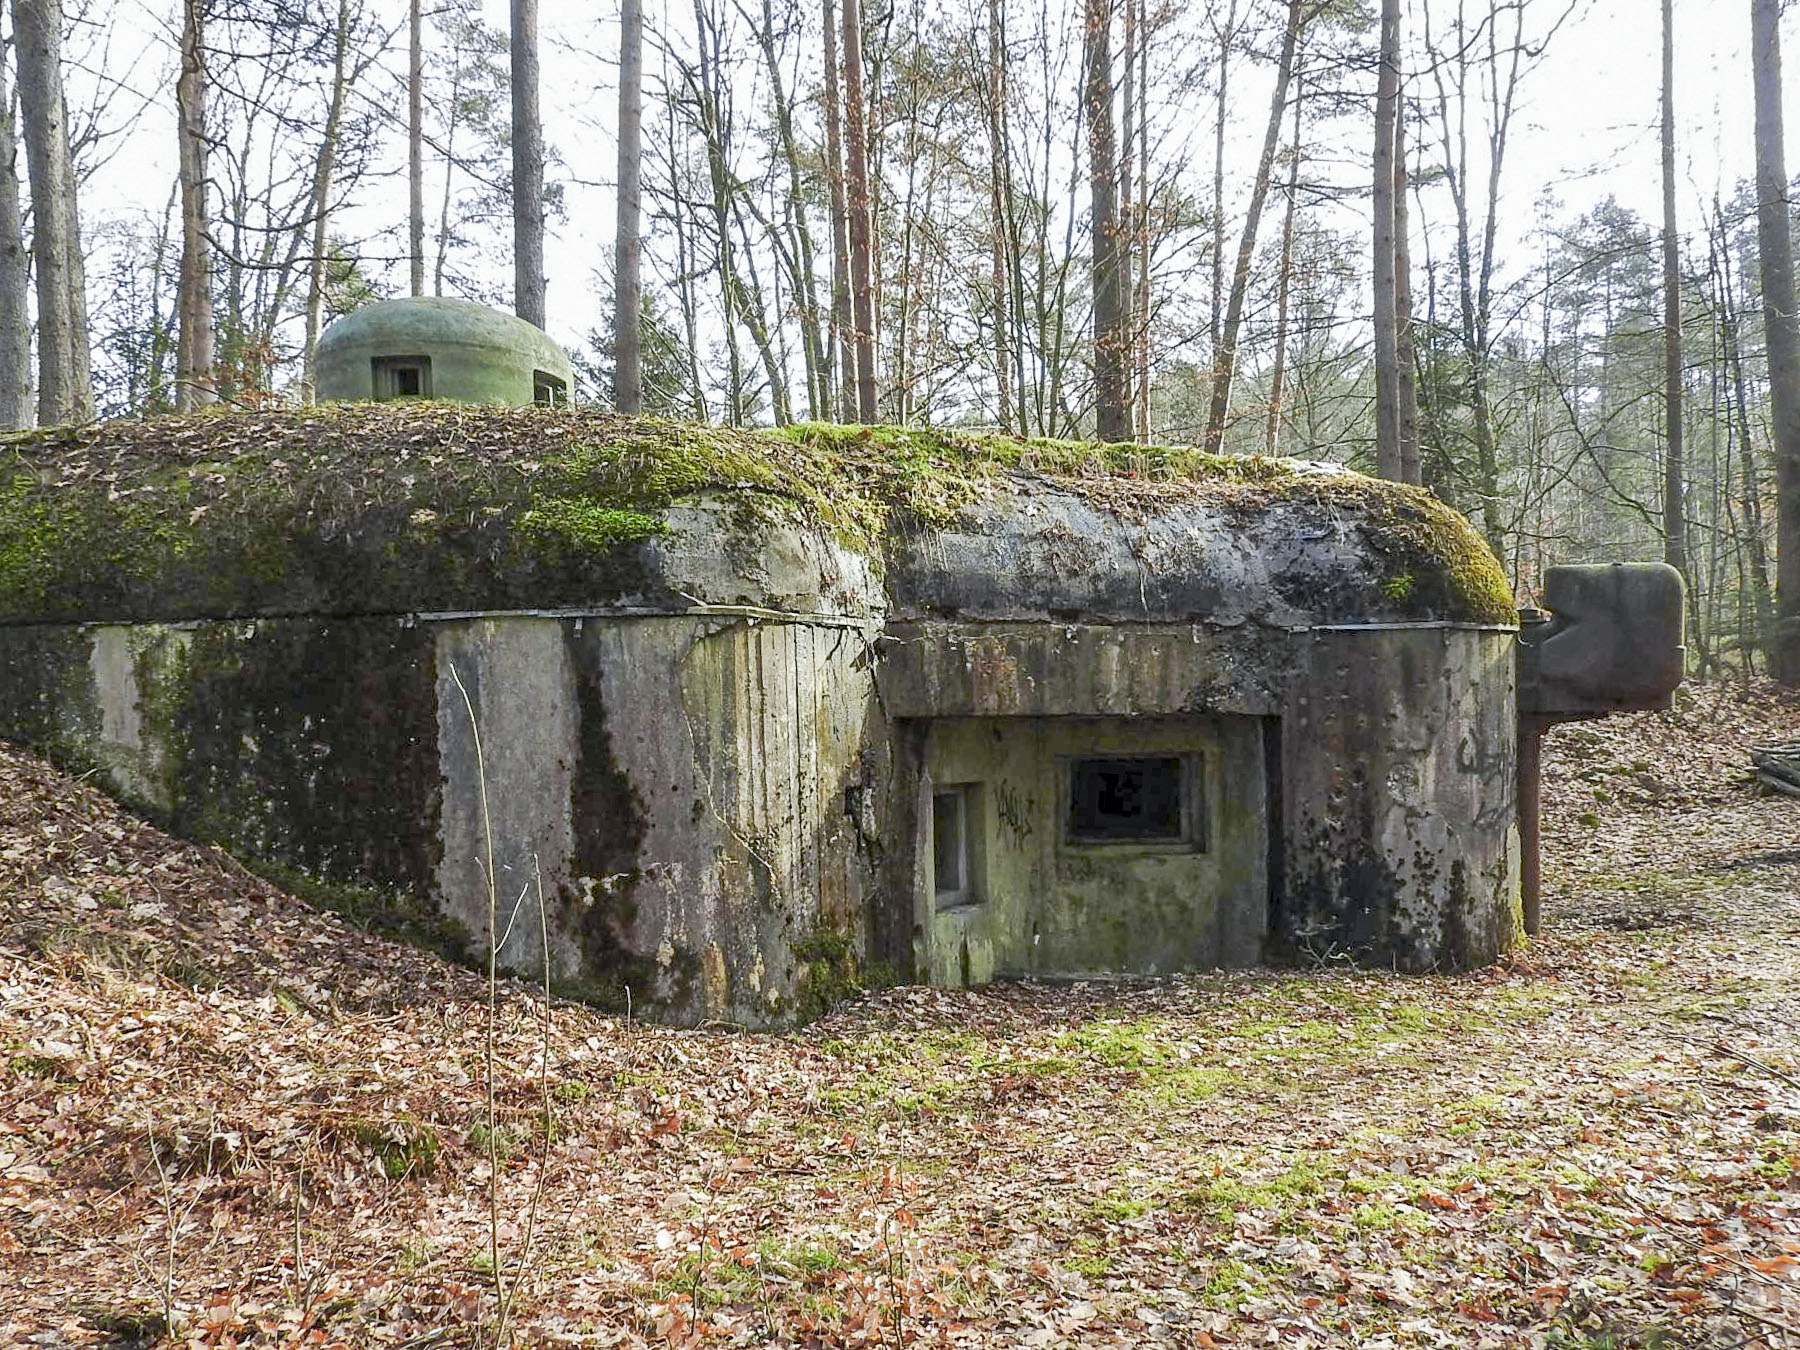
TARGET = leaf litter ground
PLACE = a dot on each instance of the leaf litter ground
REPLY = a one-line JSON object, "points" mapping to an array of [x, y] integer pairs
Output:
{"points": [[228, 1119]]}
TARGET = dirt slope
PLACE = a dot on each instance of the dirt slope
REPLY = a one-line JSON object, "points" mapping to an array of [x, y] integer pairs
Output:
{"points": [[220, 1108]]}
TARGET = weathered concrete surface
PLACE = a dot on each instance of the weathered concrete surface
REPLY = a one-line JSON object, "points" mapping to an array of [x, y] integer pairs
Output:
{"points": [[477, 354], [754, 550], [508, 743], [1612, 641], [1398, 777], [943, 669], [1391, 751], [694, 799], [712, 737], [1043, 551], [1046, 905]]}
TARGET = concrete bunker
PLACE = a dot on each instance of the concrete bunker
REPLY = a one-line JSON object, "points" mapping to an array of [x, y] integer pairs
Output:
{"points": [[436, 348], [771, 714]]}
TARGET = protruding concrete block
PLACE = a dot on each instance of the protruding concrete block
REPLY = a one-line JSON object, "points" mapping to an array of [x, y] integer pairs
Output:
{"points": [[1612, 643]]}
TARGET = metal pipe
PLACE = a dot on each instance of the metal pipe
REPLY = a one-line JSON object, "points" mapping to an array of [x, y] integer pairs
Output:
{"points": [[1531, 745]]}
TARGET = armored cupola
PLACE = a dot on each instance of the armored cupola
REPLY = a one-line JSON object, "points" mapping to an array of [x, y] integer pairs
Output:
{"points": [[440, 349]]}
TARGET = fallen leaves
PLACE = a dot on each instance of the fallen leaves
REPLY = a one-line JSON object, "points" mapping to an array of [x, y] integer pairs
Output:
{"points": [[220, 1108]]}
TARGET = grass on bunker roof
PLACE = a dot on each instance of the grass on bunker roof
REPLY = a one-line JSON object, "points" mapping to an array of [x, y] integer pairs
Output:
{"points": [[222, 1109], [139, 496], [341, 456]]}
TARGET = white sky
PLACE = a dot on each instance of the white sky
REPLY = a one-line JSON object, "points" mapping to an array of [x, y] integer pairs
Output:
{"points": [[1587, 127]]}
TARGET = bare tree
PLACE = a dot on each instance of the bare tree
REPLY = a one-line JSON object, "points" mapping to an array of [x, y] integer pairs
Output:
{"points": [[1674, 502], [15, 281], [1387, 350], [324, 166], [1285, 281], [1405, 350], [1774, 236], [65, 386], [528, 167], [862, 287], [792, 239], [1111, 422], [1225, 358], [843, 345], [415, 146], [628, 386], [193, 300], [1227, 35], [1476, 72], [999, 174]]}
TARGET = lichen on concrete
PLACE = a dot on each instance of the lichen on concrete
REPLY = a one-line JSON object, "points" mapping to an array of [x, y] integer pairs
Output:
{"points": [[396, 506]]}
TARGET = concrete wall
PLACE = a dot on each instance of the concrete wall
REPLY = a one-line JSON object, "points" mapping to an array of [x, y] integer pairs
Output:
{"points": [[1043, 904], [694, 798], [1395, 747], [729, 812], [1399, 756]]}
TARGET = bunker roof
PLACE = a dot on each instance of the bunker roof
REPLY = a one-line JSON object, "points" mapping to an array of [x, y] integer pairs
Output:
{"points": [[421, 507], [454, 349]]}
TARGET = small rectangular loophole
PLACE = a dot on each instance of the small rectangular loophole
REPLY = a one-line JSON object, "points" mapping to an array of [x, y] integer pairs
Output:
{"points": [[955, 850], [1140, 798], [401, 376], [548, 391]]}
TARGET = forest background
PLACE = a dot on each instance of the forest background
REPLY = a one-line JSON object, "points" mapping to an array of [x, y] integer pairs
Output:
{"points": [[1144, 220]]}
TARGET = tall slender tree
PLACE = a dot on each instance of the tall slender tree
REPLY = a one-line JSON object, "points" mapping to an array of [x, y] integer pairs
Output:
{"points": [[856, 151], [1776, 248], [628, 383], [1111, 421], [528, 167], [15, 281], [1285, 280], [1387, 343], [193, 297], [324, 168], [843, 345], [1225, 358], [1674, 470], [999, 252], [1226, 34], [1405, 348], [65, 385], [415, 145]]}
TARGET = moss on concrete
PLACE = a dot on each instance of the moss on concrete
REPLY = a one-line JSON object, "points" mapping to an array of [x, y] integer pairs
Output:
{"points": [[416, 506]]}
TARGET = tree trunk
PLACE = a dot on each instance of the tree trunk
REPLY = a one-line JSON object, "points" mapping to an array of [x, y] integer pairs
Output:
{"points": [[862, 294], [1674, 488], [415, 145], [323, 168], [15, 280], [1750, 488], [1775, 245], [1125, 235], [797, 256], [843, 345], [1284, 285], [997, 174], [1221, 108], [65, 386], [1225, 360], [193, 300], [1110, 421], [1140, 304], [628, 380], [528, 167], [1387, 354], [1405, 354]]}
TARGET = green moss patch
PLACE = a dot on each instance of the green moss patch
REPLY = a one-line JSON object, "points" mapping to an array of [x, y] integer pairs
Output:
{"points": [[408, 506]]}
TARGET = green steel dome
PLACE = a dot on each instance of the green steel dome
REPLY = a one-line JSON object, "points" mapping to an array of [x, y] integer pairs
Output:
{"points": [[439, 349]]}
